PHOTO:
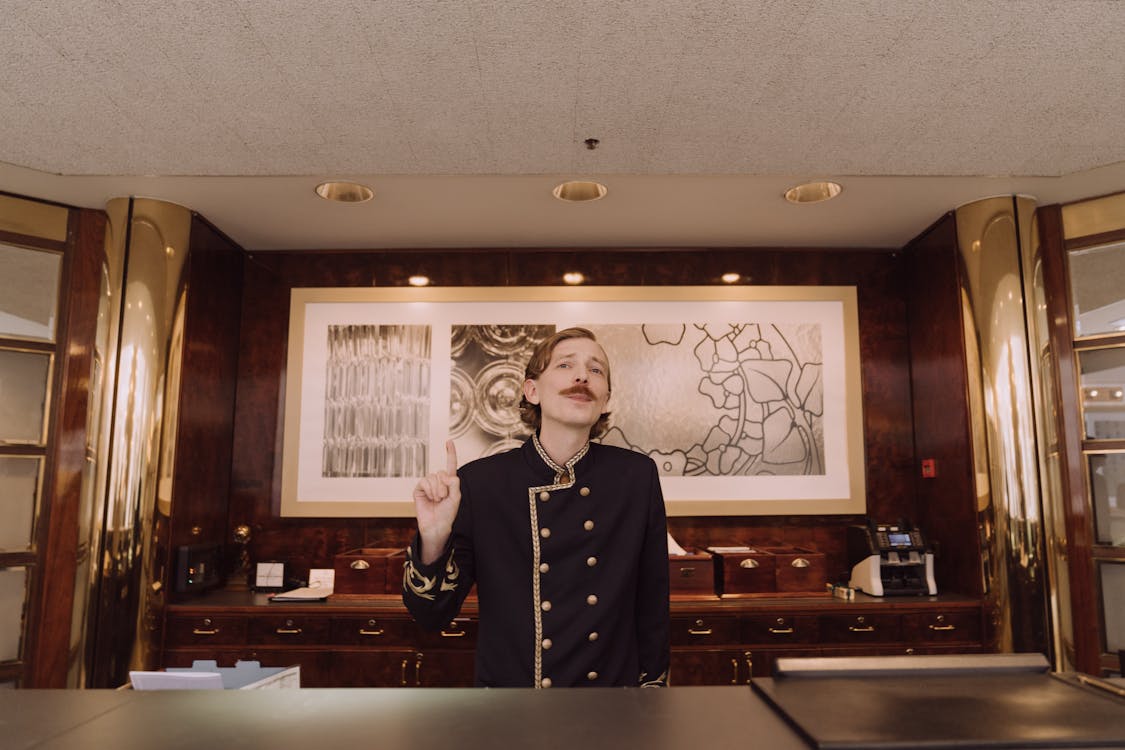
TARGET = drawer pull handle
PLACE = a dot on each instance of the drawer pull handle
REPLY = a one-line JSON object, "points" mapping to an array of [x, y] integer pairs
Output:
{"points": [[418, 670], [452, 633], [365, 631], [700, 631], [748, 563], [404, 661], [199, 631], [359, 565], [288, 631], [863, 629], [942, 627], [782, 631], [734, 671], [800, 562]]}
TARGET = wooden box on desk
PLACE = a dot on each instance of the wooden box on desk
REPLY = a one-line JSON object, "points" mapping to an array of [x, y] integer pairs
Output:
{"points": [[692, 574], [367, 571], [799, 570], [744, 571]]}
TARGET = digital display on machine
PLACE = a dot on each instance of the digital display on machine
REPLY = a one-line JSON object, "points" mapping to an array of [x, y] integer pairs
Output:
{"points": [[898, 539]]}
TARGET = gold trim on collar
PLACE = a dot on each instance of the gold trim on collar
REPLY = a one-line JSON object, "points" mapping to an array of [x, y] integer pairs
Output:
{"points": [[564, 475]]}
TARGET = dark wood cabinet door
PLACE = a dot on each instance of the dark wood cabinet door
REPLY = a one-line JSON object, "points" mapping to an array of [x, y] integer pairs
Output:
{"points": [[374, 668], [864, 628], [727, 666], [942, 627], [778, 629]]}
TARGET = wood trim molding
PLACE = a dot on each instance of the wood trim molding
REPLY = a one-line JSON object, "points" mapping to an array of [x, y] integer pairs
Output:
{"points": [[1075, 503]]}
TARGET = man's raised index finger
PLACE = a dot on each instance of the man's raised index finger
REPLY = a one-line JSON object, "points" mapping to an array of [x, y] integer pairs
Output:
{"points": [[450, 457]]}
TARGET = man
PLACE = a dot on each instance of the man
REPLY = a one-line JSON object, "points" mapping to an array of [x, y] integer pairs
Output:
{"points": [[565, 539]]}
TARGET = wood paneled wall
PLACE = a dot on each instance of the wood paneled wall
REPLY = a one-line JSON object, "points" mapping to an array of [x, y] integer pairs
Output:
{"points": [[947, 501], [885, 358]]}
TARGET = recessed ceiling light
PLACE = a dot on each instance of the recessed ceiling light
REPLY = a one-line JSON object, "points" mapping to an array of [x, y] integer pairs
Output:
{"points": [[730, 278], [419, 280], [344, 192], [578, 191], [573, 277], [813, 192]]}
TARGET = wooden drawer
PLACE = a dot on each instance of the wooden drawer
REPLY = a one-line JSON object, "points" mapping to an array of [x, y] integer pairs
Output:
{"points": [[864, 628], [206, 630], [774, 629], [704, 630], [289, 630], [361, 630], [460, 633], [942, 627]]}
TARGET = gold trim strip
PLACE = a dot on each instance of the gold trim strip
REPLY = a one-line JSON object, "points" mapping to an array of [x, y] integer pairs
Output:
{"points": [[1095, 216], [33, 218], [561, 483]]}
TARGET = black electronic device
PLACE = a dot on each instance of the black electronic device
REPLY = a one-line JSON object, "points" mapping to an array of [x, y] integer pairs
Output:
{"points": [[197, 567], [890, 559]]}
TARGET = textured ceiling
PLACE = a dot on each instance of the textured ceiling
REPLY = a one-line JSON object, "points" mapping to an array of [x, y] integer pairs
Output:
{"points": [[474, 88]]}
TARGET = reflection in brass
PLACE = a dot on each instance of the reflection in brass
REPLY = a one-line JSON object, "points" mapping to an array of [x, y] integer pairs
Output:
{"points": [[1003, 443], [1095, 216], [143, 285], [33, 218]]}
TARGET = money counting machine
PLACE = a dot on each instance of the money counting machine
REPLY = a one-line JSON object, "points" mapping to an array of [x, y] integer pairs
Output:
{"points": [[890, 560]]}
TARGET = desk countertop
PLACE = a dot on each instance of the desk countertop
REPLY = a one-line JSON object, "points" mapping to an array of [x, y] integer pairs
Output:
{"points": [[418, 719]]}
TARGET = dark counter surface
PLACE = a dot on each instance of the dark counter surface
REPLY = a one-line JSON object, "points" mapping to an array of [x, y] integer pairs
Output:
{"points": [[417, 719]]}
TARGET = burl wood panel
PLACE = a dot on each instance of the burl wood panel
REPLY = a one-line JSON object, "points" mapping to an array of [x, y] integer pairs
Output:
{"points": [[946, 505], [304, 543], [205, 431]]}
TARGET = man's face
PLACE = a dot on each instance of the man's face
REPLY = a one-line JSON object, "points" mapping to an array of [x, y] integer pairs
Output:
{"points": [[574, 388]]}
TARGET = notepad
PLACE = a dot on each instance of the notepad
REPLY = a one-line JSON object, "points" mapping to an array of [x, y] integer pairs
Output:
{"points": [[305, 594]]}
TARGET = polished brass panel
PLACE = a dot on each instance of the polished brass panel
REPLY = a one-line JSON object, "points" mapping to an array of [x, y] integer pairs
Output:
{"points": [[1002, 418], [1046, 420], [1094, 216], [33, 218], [147, 245]]}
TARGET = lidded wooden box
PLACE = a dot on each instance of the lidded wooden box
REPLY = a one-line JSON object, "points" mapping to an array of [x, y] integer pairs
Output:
{"points": [[744, 570], [799, 570], [368, 571], [692, 574], [773, 569]]}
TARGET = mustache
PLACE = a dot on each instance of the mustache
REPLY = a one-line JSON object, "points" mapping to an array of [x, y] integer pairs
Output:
{"points": [[578, 389]]}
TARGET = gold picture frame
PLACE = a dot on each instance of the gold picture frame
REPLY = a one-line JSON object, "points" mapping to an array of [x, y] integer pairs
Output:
{"points": [[748, 398]]}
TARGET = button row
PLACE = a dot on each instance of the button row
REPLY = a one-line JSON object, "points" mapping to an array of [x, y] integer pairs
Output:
{"points": [[544, 495]]}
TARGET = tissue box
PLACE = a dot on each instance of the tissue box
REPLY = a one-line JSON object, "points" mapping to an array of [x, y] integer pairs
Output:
{"points": [[691, 574], [368, 571]]}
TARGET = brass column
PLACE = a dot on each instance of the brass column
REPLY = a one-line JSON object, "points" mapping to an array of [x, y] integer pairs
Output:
{"points": [[1005, 455], [136, 388]]}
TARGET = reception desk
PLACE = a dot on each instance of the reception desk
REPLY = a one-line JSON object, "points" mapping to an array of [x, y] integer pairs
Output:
{"points": [[696, 718]]}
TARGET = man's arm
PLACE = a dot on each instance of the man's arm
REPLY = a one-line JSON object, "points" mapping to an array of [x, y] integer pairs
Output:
{"points": [[653, 617], [438, 572]]}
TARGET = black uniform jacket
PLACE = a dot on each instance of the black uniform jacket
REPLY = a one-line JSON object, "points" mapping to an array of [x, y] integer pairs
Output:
{"points": [[570, 564]]}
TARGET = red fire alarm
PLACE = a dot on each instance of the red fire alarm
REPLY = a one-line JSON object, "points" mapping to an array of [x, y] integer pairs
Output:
{"points": [[929, 468]]}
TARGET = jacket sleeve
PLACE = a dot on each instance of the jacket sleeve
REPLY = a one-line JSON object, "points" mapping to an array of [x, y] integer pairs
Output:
{"points": [[653, 616], [434, 593]]}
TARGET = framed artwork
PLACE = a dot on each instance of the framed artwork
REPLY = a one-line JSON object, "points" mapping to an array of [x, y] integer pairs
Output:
{"points": [[747, 398]]}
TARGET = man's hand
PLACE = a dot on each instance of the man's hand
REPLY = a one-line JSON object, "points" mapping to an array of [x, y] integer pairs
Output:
{"points": [[436, 499]]}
